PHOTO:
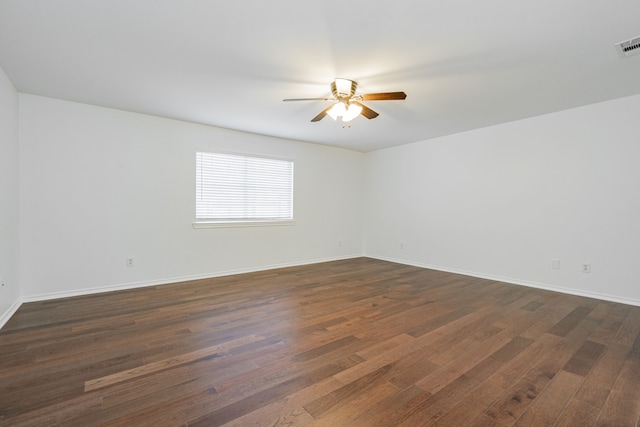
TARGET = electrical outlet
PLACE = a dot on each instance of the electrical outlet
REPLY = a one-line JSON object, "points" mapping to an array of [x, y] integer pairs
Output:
{"points": [[555, 264], [130, 262], [401, 245], [586, 267]]}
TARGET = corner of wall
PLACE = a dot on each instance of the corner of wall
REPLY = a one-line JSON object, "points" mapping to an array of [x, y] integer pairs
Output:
{"points": [[9, 199]]}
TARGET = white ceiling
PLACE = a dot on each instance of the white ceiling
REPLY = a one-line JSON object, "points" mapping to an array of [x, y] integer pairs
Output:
{"points": [[464, 64]]}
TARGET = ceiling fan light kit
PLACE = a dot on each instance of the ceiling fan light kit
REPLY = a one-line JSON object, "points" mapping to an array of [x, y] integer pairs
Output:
{"points": [[347, 105], [346, 112]]}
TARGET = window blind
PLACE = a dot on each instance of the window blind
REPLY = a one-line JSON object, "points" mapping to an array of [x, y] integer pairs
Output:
{"points": [[237, 188]]}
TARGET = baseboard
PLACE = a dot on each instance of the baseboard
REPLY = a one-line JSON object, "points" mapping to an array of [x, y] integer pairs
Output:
{"points": [[4, 317], [569, 291], [88, 291], [165, 281]]}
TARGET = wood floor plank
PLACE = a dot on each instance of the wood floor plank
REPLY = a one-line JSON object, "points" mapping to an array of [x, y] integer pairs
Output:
{"points": [[582, 361], [599, 381], [147, 369], [63, 413], [170, 383], [323, 404], [546, 409], [385, 412], [435, 406], [508, 373], [629, 329], [357, 342], [355, 405], [563, 327], [280, 414], [249, 404], [622, 407], [471, 406], [529, 387], [500, 349], [578, 413], [287, 409]]}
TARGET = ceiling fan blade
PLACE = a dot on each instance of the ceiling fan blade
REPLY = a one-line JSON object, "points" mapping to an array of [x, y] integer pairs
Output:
{"points": [[308, 99], [383, 96], [367, 112], [322, 114]]}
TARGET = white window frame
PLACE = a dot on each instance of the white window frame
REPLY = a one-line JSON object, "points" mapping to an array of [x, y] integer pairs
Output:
{"points": [[244, 167]]}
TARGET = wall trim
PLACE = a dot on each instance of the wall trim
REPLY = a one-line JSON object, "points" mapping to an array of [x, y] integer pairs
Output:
{"points": [[171, 280], [569, 291], [4, 317]]}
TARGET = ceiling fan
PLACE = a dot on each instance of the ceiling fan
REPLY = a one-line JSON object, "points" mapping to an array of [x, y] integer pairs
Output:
{"points": [[348, 105]]}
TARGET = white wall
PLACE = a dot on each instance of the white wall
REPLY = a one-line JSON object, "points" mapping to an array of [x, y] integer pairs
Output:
{"points": [[99, 185], [503, 201], [9, 200]]}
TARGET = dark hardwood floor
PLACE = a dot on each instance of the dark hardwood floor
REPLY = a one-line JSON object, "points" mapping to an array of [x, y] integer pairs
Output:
{"points": [[358, 342]]}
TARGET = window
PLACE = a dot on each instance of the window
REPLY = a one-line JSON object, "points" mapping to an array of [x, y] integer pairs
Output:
{"points": [[237, 189]]}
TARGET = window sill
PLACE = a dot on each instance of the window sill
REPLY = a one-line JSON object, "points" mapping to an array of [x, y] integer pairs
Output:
{"points": [[223, 224]]}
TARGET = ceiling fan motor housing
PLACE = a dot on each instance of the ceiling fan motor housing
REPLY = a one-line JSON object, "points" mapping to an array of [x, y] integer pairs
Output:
{"points": [[343, 88]]}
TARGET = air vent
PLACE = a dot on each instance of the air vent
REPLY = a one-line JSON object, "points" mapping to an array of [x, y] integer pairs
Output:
{"points": [[629, 47]]}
